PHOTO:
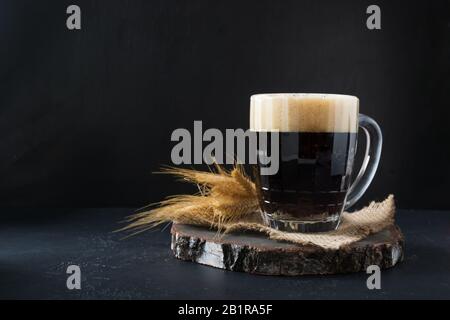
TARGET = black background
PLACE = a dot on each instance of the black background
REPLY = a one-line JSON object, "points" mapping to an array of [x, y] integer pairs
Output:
{"points": [[86, 116]]}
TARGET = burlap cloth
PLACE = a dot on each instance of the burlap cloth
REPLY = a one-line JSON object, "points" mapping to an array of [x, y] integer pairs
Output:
{"points": [[354, 226]]}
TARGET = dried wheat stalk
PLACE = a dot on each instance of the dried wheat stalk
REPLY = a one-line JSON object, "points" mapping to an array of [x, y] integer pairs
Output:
{"points": [[224, 197]]}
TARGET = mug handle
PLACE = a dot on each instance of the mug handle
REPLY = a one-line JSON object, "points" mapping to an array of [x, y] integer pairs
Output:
{"points": [[374, 141]]}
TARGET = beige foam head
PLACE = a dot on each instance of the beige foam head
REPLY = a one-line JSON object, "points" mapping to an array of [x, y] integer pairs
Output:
{"points": [[304, 112]]}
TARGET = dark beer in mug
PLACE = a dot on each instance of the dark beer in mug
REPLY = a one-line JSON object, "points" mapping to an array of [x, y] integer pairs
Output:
{"points": [[317, 138]]}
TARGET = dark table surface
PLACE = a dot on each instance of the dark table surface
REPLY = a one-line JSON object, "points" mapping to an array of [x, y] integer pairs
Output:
{"points": [[37, 245]]}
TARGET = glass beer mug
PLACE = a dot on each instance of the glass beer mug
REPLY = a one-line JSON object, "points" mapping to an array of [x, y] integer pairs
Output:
{"points": [[317, 141]]}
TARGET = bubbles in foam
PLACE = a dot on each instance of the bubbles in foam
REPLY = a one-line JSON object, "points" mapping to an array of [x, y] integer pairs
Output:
{"points": [[304, 112]]}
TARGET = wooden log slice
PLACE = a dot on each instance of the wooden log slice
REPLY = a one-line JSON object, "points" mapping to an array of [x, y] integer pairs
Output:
{"points": [[255, 253]]}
